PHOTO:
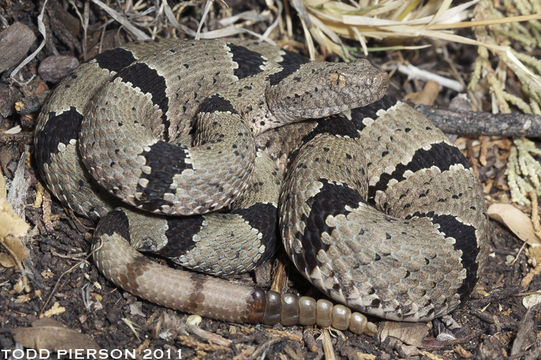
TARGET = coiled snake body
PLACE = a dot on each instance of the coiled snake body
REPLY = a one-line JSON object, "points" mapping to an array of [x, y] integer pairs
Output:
{"points": [[376, 208]]}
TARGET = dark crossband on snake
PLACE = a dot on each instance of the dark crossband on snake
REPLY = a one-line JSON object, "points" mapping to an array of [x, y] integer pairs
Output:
{"points": [[210, 152]]}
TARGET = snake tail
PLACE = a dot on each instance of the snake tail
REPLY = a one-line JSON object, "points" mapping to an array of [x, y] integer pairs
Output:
{"points": [[209, 296]]}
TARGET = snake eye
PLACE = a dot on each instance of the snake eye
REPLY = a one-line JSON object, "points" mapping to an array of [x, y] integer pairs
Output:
{"points": [[338, 80]]}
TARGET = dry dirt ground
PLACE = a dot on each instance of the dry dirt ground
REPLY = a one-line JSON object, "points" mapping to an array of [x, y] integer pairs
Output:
{"points": [[64, 285]]}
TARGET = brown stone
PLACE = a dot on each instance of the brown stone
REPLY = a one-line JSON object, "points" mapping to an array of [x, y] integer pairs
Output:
{"points": [[55, 68], [15, 41]]}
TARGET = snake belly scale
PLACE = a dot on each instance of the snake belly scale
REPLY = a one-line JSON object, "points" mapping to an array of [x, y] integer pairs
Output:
{"points": [[374, 205]]}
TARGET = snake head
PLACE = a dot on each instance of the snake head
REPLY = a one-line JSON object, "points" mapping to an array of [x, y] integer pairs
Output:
{"points": [[319, 89]]}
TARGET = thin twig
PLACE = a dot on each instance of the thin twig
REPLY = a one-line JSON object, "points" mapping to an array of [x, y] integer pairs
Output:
{"points": [[43, 32], [65, 273], [327, 345], [140, 35], [264, 347], [471, 123]]}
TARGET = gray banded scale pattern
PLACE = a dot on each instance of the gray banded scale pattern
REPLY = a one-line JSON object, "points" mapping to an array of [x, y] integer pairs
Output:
{"points": [[369, 243], [377, 208]]}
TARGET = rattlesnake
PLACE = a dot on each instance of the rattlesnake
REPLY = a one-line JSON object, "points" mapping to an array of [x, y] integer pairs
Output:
{"points": [[376, 208]]}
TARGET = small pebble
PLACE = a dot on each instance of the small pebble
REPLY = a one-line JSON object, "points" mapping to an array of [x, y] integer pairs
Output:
{"points": [[8, 96], [55, 68], [460, 103], [445, 336], [531, 300], [15, 42], [194, 320]]}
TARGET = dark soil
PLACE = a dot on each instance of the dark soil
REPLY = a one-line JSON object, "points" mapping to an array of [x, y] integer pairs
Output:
{"points": [[61, 276]]}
